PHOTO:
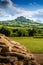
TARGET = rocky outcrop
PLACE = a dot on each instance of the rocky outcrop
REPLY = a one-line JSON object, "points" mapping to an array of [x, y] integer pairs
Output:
{"points": [[12, 53]]}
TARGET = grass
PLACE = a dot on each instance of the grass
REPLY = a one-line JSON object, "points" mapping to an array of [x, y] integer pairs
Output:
{"points": [[32, 44]]}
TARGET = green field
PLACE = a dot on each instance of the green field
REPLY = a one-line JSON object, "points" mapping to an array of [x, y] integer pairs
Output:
{"points": [[32, 44]]}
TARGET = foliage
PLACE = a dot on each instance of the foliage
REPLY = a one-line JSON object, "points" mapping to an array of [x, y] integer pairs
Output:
{"points": [[22, 32], [18, 32], [5, 31], [32, 32], [21, 27]]}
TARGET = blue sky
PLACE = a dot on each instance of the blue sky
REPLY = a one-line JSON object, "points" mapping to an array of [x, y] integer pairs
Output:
{"points": [[31, 9]]}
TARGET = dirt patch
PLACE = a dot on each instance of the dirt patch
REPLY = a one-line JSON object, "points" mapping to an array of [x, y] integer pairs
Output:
{"points": [[39, 57]]}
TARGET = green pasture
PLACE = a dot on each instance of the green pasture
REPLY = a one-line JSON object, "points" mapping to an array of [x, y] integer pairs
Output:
{"points": [[32, 44]]}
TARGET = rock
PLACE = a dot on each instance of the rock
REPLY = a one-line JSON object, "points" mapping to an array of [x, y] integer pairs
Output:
{"points": [[12, 53]]}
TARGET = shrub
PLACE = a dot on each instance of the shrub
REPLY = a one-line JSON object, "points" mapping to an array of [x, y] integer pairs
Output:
{"points": [[5, 31], [32, 32], [22, 32]]}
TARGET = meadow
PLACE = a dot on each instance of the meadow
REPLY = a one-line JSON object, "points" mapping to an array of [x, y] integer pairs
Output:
{"points": [[32, 44]]}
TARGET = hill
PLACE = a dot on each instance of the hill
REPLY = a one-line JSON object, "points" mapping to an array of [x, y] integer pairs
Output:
{"points": [[22, 22]]}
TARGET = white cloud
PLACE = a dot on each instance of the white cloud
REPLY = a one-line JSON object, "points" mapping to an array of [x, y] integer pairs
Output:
{"points": [[20, 12], [4, 14], [31, 14]]}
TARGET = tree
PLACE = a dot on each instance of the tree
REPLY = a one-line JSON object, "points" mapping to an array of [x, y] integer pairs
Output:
{"points": [[31, 32], [5, 31], [22, 32]]}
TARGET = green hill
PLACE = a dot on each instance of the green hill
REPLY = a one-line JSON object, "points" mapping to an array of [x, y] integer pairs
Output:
{"points": [[22, 22]]}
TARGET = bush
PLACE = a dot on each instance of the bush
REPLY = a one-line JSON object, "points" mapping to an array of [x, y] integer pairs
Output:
{"points": [[22, 32], [5, 31], [32, 32]]}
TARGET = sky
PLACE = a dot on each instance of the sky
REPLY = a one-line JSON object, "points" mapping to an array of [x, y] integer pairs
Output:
{"points": [[31, 9]]}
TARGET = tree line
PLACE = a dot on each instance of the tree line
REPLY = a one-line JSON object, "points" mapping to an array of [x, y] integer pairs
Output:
{"points": [[20, 32]]}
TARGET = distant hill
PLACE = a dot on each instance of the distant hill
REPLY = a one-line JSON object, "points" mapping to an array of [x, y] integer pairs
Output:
{"points": [[21, 22], [23, 19], [28, 21]]}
